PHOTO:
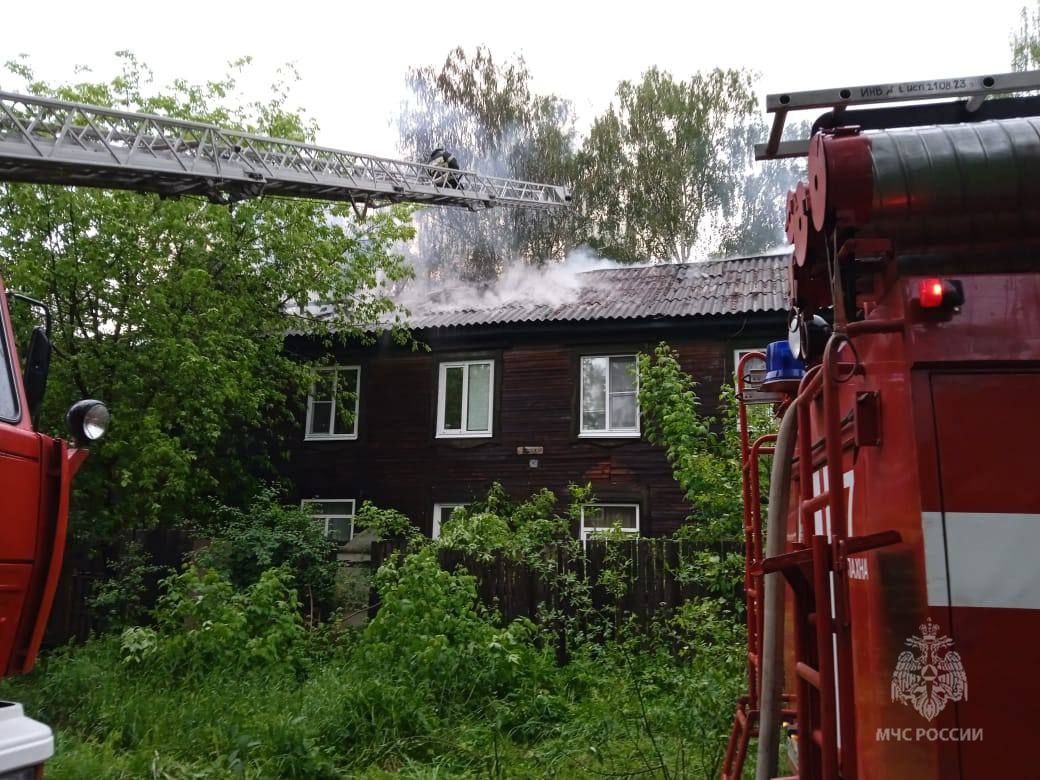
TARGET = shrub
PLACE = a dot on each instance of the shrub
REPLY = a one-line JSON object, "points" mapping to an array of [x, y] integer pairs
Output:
{"points": [[385, 523], [246, 543], [205, 626]]}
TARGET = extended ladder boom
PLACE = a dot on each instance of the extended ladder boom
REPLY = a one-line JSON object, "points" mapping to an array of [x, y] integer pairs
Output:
{"points": [[47, 141]]}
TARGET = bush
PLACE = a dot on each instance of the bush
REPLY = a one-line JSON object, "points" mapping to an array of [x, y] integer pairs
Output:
{"points": [[122, 598], [205, 626], [245, 543]]}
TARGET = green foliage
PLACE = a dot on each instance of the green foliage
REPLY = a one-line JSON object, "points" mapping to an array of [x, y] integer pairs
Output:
{"points": [[385, 523], [706, 466], [497, 524], [485, 112], [120, 599], [1025, 41], [173, 310], [244, 543], [204, 624], [661, 167]]}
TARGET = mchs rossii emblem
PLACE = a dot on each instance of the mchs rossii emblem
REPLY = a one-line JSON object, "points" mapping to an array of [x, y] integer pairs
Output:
{"points": [[931, 677]]}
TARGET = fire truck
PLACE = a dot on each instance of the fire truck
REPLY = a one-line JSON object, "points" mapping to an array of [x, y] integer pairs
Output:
{"points": [[45, 141], [892, 580]]}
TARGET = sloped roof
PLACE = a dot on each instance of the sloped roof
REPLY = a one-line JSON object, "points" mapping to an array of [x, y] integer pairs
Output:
{"points": [[711, 287]]}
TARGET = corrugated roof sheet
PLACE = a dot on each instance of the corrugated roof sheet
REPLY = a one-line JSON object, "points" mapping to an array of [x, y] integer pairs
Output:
{"points": [[733, 286], [705, 288]]}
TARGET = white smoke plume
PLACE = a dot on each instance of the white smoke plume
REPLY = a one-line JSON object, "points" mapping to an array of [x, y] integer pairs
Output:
{"points": [[553, 284]]}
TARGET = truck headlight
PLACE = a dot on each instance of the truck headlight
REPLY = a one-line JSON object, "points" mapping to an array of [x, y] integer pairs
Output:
{"points": [[87, 421]]}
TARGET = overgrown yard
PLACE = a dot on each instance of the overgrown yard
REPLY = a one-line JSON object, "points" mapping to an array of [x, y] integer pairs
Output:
{"points": [[229, 680]]}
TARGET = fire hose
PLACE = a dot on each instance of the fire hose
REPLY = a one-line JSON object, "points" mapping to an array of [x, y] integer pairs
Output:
{"points": [[773, 600]]}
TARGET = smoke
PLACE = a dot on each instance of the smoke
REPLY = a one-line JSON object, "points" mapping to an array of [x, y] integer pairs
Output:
{"points": [[553, 284]]}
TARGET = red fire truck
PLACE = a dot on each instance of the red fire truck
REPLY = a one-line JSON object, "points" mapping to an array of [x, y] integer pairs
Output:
{"points": [[893, 587], [46, 141]]}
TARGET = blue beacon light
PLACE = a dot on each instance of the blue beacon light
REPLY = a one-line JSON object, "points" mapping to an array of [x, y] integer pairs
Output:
{"points": [[781, 365]]}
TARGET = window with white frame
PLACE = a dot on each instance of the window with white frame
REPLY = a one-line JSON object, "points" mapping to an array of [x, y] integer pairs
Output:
{"points": [[335, 515], [751, 365], [332, 405], [465, 398], [441, 515], [597, 519], [609, 395]]}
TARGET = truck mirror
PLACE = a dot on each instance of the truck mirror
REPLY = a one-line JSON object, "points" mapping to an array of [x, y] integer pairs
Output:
{"points": [[37, 367]]}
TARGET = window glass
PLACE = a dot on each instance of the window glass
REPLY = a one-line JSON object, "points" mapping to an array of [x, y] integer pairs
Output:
{"points": [[479, 392], [335, 516], [453, 398], [340, 529], [8, 399], [594, 394], [609, 395], [465, 398], [332, 405], [600, 518], [346, 401]]}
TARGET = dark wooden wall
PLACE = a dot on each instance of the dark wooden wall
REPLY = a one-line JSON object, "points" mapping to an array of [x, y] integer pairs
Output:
{"points": [[397, 461]]}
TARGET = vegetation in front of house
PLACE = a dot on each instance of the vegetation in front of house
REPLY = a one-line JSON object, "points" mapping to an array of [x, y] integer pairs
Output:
{"points": [[231, 681], [237, 676]]}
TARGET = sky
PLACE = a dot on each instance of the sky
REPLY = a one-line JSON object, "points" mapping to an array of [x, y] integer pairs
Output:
{"points": [[353, 55]]}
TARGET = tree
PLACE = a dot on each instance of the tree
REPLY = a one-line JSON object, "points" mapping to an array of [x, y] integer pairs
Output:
{"points": [[661, 168], [755, 221], [486, 114], [173, 311], [1025, 41]]}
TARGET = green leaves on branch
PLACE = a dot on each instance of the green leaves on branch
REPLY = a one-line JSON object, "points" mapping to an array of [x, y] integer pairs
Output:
{"points": [[705, 463], [661, 168], [174, 311]]}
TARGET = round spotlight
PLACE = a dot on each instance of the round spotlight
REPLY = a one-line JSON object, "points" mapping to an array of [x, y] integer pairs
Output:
{"points": [[87, 421]]}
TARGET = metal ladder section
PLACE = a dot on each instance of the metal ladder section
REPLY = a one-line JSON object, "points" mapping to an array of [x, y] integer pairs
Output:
{"points": [[47, 141], [745, 719], [817, 570], [982, 103]]}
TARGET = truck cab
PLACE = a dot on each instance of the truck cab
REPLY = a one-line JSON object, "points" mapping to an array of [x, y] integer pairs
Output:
{"points": [[36, 474]]}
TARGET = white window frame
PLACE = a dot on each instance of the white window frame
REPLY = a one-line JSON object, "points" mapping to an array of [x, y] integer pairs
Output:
{"points": [[335, 370], [336, 516], [442, 389], [608, 432], [585, 531], [435, 525]]}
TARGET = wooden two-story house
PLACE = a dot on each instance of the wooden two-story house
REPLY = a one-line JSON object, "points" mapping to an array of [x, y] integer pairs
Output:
{"points": [[530, 395]]}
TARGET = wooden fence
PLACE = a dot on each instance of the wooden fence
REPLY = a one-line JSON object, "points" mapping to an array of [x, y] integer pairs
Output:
{"points": [[71, 616], [651, 581]]}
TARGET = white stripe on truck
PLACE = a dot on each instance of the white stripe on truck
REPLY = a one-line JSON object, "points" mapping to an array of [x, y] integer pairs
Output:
{"points": [[994, 559]]}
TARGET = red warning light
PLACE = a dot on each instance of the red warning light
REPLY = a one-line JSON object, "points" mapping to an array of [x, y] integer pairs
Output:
{"points": [[935, 293], [930, 293]]}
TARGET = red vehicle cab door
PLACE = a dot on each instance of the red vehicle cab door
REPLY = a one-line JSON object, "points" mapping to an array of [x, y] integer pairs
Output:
{"points": [[20, 494]]}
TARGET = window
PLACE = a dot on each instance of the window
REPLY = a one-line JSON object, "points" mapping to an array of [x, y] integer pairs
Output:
{"points": [[598, 518], [441, 515], [464, 398], [332, 406], [8, 397], [751, 365], [336, 516], [609, 396]]}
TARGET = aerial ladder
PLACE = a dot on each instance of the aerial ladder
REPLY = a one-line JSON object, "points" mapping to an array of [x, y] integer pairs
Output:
{"points": [[47, 141], [890, 578], [57, 142]]}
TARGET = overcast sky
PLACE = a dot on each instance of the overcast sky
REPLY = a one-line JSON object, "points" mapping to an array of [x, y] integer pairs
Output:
{"points": [[353, 55]]}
